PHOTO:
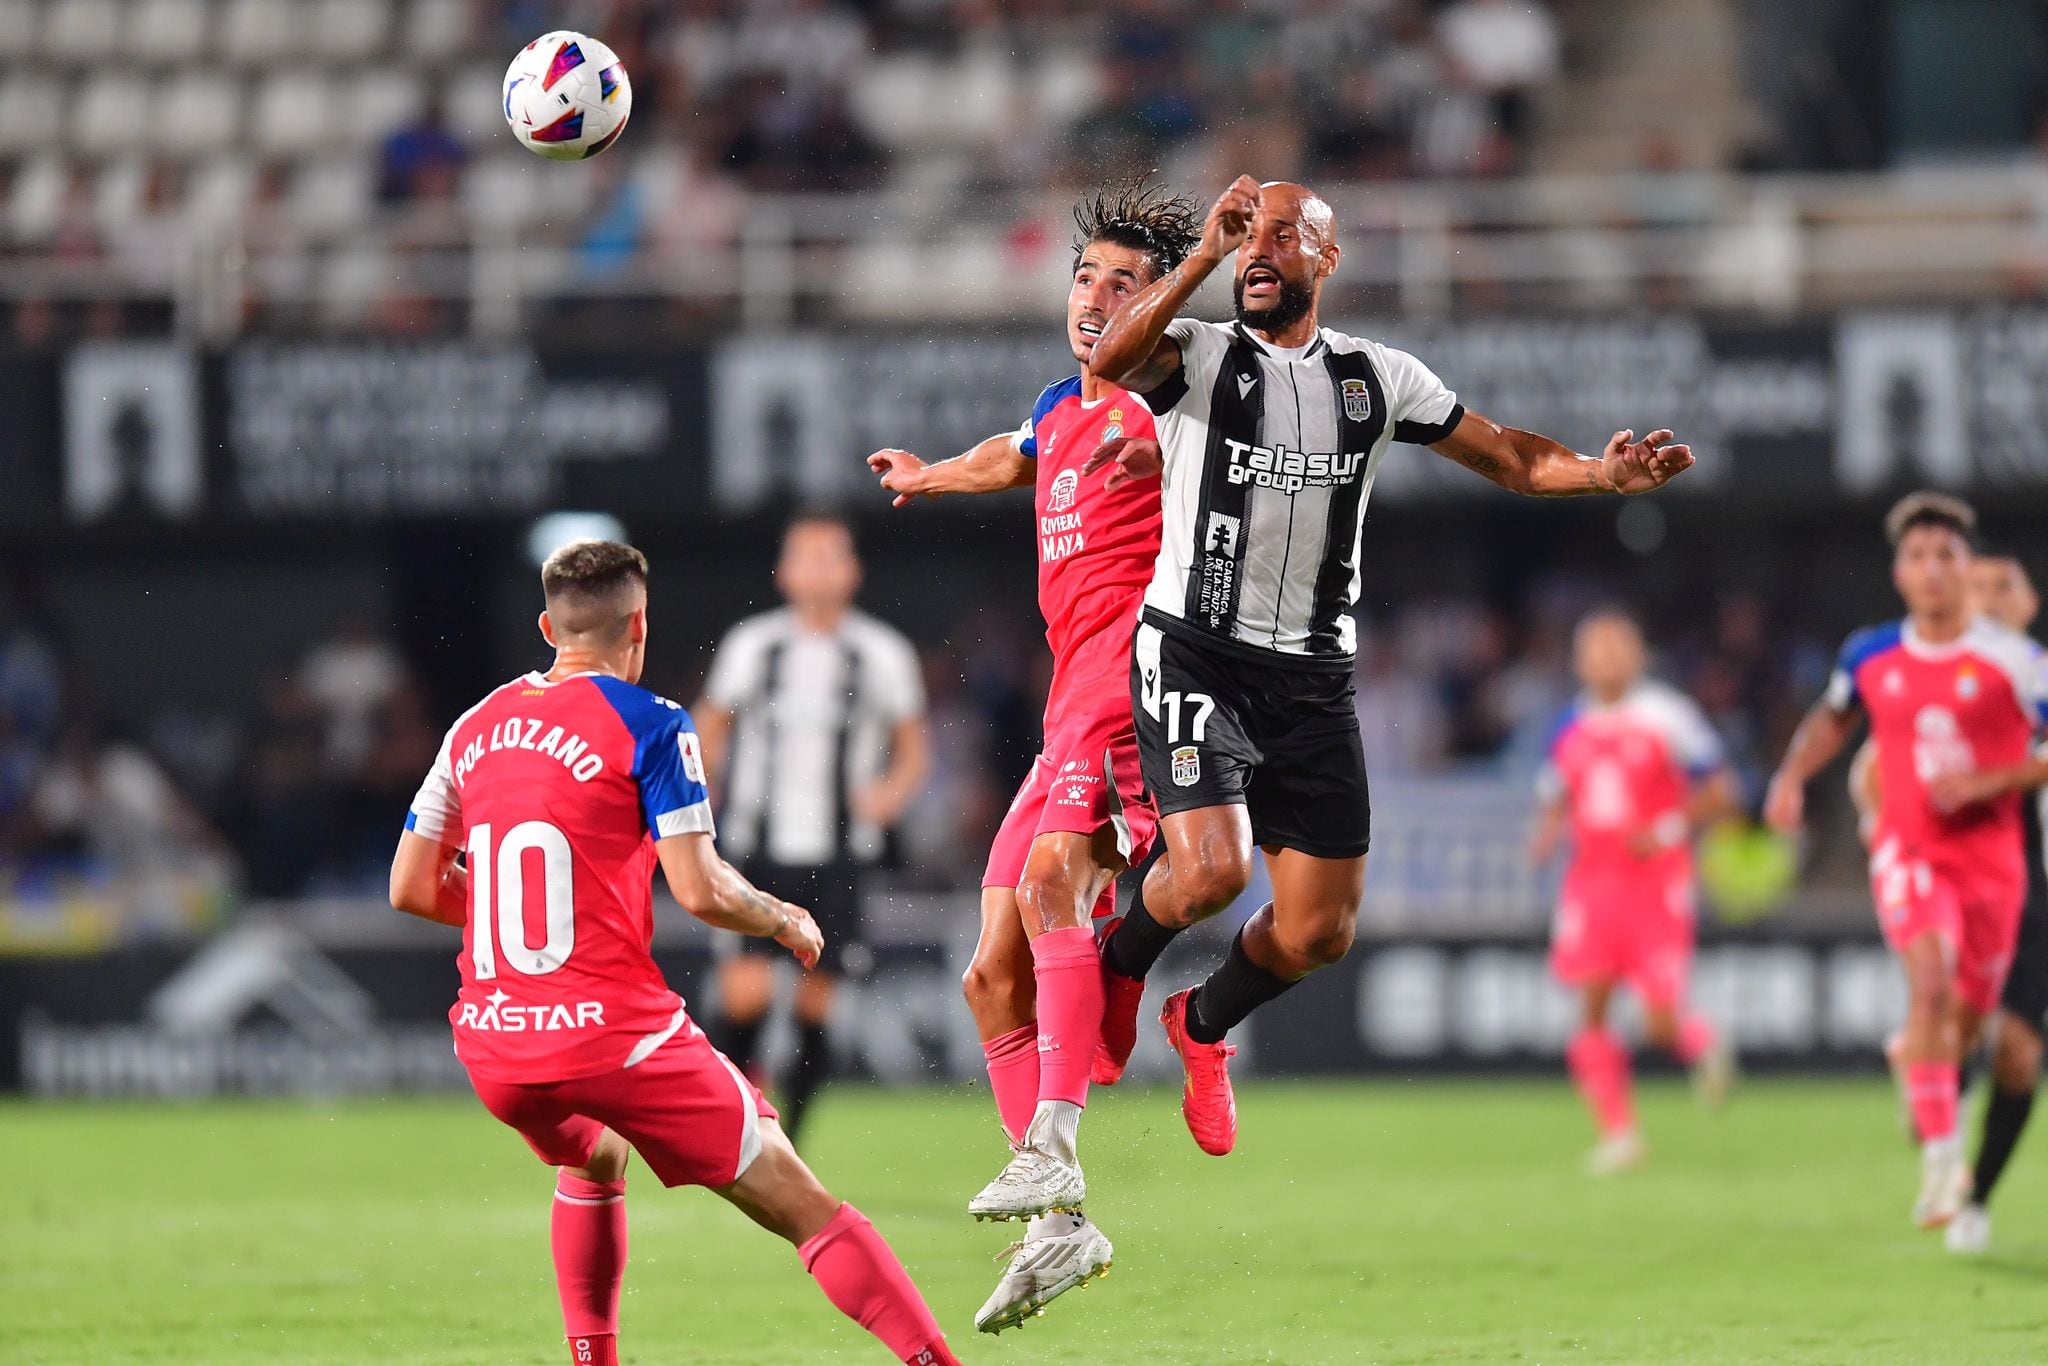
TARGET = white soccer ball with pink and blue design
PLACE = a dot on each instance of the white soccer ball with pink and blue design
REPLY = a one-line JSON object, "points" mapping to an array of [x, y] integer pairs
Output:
{"points": [[567, 96]]}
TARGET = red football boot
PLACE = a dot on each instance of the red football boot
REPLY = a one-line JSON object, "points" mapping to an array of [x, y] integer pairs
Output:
{"points": [[1206, 1100], [1120, 998]]}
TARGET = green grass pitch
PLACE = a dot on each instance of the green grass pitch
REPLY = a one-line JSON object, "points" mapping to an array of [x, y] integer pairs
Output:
{"points": [[1441, 1222]]}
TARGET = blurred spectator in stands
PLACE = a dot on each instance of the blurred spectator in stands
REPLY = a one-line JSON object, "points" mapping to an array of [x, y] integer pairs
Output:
{"points": [[288, 810], [350, 678], [420, 158], [1400, 714], [1361, 138], [787, 142], [1321, 42], [150, 244], [76, 238], [106, 808], [1506, 50], [1133, 127]]}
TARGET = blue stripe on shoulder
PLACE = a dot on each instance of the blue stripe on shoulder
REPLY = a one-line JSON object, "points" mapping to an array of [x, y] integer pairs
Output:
{"points": [[1048, 399], [1558, 726], [648, 719], [1865, 645]]}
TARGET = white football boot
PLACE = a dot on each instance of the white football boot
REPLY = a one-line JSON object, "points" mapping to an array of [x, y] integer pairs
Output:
{"points": [[1061, 1252], [1616, 1153], [1944, 1181], [1969, 1233], [1034, 1182]]}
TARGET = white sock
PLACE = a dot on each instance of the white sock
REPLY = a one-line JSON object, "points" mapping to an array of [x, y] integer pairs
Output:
{"points": [[1946, 1149], [1056, 1130], [1052, 1224]]}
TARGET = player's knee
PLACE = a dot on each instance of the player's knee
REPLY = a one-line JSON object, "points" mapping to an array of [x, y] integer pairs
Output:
{"points": [[607, 1160], [1320, 943], [1051, 902], [2016, 1060], [1212, 882]]}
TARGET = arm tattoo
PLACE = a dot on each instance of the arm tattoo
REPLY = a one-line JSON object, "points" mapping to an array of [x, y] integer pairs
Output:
{"points": [[759, 900], [1485, 464]]}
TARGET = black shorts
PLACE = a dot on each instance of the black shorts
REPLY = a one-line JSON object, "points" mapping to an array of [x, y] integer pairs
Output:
{"points": [[2026, 986], [830, 892], [1218, 726]]}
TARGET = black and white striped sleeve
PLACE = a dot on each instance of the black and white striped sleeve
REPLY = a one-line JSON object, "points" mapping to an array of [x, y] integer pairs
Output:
{"points": [[1202, 347], [1423, 407]]}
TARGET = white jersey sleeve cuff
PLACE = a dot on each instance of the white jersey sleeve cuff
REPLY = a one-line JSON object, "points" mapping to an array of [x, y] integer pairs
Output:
{"points": [[688, 820]]}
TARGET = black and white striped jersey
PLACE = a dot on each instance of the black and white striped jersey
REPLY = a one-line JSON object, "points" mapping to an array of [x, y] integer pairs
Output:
{"points": [[813, 718], [1269, 455]]}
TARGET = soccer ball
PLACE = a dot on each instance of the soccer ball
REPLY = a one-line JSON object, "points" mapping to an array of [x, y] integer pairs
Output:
{"points": [[567, 96]]}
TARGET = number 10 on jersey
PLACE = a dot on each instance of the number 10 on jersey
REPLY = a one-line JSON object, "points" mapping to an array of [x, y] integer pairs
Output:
{"points": [[497, 899]]}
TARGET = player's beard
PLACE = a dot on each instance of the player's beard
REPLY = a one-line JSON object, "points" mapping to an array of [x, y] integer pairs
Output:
{"points": [[1296, 299]]}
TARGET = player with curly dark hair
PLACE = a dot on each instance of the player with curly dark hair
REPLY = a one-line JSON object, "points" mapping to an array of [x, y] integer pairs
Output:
{"points": [[1035, 984]]}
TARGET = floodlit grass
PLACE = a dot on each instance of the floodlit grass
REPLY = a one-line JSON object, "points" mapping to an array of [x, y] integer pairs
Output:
{"points": [[1442, 1222]]}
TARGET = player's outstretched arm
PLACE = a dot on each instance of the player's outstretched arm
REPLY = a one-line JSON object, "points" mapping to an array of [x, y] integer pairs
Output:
{"points": [[1134, 350], [1821, 736], [993, 465], [428, 881], [1531, 464], [712, 890]]}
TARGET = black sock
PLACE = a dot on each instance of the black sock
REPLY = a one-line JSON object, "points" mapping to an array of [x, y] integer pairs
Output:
{"points": [[2004, 1118], [736, 1039], [813, 1065], [1139, 939], [1237, 988]]}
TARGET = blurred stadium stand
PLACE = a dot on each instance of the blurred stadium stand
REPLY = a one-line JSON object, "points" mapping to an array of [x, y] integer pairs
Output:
{"points": [[296, 343]]}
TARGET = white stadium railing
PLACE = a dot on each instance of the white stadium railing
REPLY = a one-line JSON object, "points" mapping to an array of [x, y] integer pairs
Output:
{"points": [[1769, 245]]}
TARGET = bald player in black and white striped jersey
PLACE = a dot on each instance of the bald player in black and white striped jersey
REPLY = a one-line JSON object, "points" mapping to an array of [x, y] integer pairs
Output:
{"points": [[1271, 429]]}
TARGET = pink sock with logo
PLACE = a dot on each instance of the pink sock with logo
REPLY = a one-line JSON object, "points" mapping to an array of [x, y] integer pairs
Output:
{"points": [[1013, 1076], [1070, 996]]}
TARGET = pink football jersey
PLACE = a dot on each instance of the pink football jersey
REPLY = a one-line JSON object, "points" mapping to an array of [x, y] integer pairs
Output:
{"points": [[557, 792], [1627, 769], [1095, 546], [1974, 703]]}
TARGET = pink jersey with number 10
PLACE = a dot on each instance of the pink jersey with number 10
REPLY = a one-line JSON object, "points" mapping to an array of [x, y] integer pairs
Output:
{"points": [[557, 791]]}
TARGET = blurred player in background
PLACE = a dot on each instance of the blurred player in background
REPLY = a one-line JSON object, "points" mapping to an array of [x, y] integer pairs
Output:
{"points": [[1272, 428], [2001, 590], [1035, 984], [814, 718], [1633, 772], [564, 790], [1954, 701]]}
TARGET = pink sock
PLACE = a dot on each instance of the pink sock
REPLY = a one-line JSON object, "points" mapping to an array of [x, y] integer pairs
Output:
{"points": [[1599, 1066], [588, 1233], [861, 1276], [1070, 997], [1931, 1092], [1013, 1076], [1696, 1038]]}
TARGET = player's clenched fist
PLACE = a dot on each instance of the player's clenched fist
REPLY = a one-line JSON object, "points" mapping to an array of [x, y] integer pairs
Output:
{"points": [[1230, 220], [800, 935], [901, 474]]}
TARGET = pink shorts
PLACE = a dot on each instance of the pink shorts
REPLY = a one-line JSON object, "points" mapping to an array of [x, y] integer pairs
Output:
{"points": [[685, 1109], [1976, 913], [1087, 778], [1638, 931]]}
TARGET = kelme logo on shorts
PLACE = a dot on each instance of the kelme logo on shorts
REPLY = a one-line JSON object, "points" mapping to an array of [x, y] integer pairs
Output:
{"points": [[1187, 766]]}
